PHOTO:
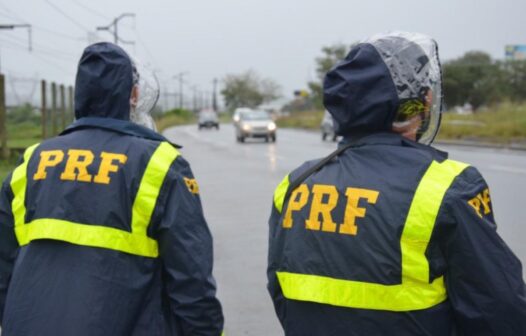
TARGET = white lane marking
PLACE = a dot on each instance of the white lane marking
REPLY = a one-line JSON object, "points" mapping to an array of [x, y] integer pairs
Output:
{"points": [[508, 169]]}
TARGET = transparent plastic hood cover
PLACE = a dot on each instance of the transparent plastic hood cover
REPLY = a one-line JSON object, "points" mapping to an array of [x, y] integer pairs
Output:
{"points": [[412, 60], [148, 86]]}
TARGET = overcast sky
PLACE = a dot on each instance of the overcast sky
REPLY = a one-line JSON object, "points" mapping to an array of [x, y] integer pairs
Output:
{"points": [[278, 39]]}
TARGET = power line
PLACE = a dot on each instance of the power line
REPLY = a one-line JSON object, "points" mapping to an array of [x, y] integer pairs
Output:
{"points": [[45, 48], [37, 52], [145, 46], [12, 13], [97, 13], [67, 16], [59, 34]]}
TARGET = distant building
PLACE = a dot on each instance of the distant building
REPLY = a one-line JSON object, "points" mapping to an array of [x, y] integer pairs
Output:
{"points": [[516, 52]]}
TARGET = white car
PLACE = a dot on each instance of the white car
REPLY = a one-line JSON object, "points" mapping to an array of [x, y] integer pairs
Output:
{"points": [[327, 127], [255, 124], [237, 113]]}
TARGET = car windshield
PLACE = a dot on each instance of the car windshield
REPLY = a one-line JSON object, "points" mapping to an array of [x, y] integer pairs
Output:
{"points": [[257, 115]]}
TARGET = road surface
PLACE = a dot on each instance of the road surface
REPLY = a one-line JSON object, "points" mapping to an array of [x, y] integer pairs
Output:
{"points": [[237, 182]]}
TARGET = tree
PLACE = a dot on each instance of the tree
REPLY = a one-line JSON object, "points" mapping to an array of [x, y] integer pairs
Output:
{"points": [[514, 79], [331, 55], [248, 89], [473, 78]]}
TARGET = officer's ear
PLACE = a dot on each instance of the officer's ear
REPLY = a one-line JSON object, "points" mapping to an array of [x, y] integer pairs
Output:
{"points": [[134, 97], [408, 128]]}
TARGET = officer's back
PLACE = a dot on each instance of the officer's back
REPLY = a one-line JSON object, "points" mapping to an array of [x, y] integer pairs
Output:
{"points": [[94, 212], [387, 236]]}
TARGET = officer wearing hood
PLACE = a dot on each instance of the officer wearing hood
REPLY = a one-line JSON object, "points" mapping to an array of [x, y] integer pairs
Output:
{"points": [[387, 236], [101, 228]]}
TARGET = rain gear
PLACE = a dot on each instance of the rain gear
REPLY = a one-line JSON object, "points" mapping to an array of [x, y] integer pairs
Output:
{"points": [[328, 237], [70, 286]]}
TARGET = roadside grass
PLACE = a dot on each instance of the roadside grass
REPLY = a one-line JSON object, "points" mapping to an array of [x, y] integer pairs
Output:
{"points": [[7, 166], [173, 118], [306, 120], [503, 124]]}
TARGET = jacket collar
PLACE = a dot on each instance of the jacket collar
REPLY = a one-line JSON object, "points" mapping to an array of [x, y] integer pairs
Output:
{"points": [[389, 138], [116, 125]]}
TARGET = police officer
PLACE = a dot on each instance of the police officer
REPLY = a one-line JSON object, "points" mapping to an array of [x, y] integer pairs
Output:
{"points": [[101, 228], [387, 236]]}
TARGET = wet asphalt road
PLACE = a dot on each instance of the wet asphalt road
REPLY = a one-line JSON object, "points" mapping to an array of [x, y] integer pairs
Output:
{"points": [[237, 182]]}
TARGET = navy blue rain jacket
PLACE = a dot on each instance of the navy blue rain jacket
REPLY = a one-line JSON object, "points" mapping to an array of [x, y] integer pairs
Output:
{"points": [[483, 278], [51, 288]]}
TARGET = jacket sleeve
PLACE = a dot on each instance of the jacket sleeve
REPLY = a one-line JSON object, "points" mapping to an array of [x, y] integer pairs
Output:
{"points": [[185, 247], [483, 277], [8, 242]]}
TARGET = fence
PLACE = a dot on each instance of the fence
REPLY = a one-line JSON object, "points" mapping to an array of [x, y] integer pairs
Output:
{"points": [[23, 125]]}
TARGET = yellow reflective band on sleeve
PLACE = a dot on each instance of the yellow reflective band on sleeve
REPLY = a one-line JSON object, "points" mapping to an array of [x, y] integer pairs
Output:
{"points": [[414, 292], [135, 242], [150, 186], [18, 186], [422, 216], [87, 235], [279, 193]]}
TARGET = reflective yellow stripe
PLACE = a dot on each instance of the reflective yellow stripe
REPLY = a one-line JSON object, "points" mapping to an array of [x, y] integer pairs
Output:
{"points": [[150, 186], [87, 235], [18, 186], [280, 192], [365, 295], [135, 242], [415, 292], [422, 216]]}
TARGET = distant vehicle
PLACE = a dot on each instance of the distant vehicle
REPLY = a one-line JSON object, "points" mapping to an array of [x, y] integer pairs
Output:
{"points": [[327, 127], [237, 113], [208, 119], [255, 124]]}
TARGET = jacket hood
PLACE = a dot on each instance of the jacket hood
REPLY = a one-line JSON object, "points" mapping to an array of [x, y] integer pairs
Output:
{"points": [[364, 92], [104, 82], [359, 92]]}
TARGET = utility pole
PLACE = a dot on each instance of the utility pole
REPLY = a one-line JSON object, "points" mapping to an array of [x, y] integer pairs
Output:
{"points": [[3, 131], [114, 28], [180, 77], [214, 97], [194, 98], [44, 109], [22, 25]]}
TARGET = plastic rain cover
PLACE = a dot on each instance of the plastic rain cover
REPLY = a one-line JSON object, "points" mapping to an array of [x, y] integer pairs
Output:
{"points": [[413, 62], [148, 86]]}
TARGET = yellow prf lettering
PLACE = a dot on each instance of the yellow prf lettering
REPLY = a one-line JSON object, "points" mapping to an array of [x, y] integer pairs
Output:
{"points": [[324, 209], [352, 210], [192, 185], [481, 200], [295, 203], [485, 200], [49, 158], [107, 166], [76, 169]]}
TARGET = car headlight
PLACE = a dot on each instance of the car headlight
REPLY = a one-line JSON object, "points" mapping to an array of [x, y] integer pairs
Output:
{"points": [[271, 126], [246, 127]]}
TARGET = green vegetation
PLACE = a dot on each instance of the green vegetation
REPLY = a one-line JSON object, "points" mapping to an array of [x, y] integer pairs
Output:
{"points": [[503, 124], [248, 89], [173, 118], [6, 166], [305, 120]]}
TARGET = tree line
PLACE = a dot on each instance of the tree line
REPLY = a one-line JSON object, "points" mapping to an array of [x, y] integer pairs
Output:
{"points": [[474, 78]]}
